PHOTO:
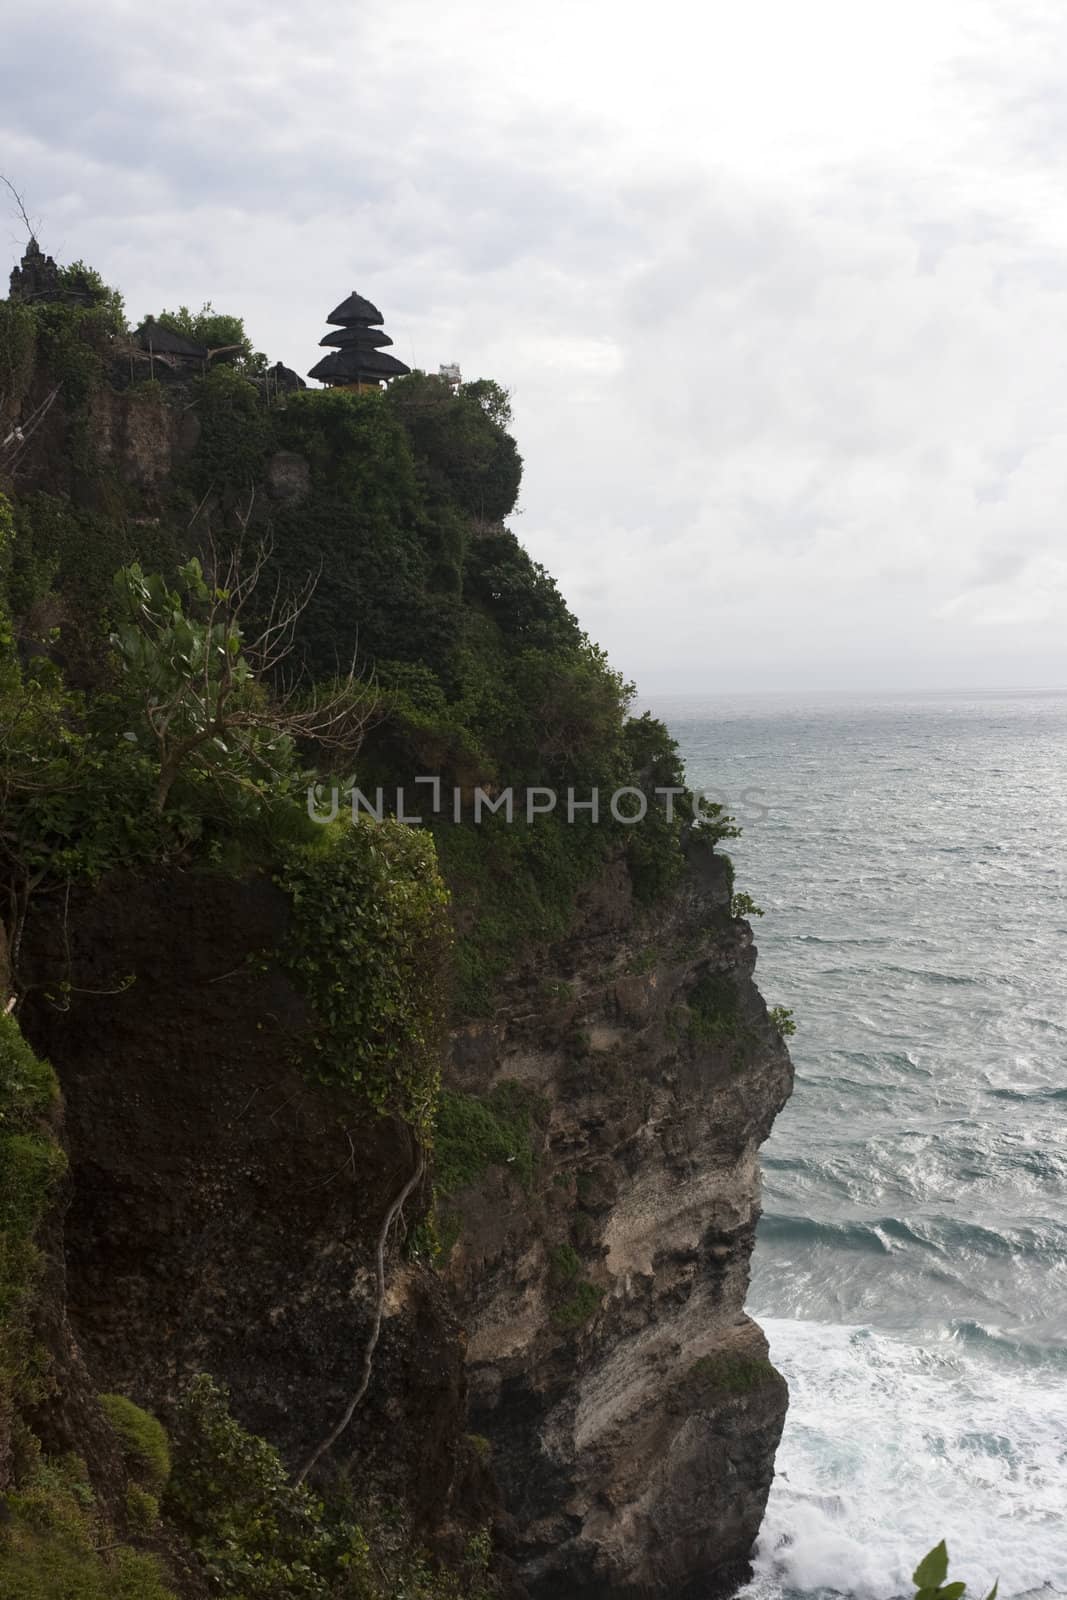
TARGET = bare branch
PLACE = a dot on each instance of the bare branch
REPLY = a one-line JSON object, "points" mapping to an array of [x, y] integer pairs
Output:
{"points": [[14, 443], [205, 497], [20, 205]]}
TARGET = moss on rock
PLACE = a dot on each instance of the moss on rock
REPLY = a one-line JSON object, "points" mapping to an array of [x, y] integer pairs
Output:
{"points": [[145, 1448]]}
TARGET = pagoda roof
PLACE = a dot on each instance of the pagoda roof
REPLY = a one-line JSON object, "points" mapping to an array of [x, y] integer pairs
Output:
{"points": [[355, 309], [351, 366], [363, 338], [165, 342]]}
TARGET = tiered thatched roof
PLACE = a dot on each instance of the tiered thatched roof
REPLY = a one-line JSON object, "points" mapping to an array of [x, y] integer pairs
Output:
{"points": [[357, 366], [366, 338], [356, 356], [355, 309]]}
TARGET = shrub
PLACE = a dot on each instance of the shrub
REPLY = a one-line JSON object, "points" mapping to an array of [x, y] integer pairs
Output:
{"points": [[74, 346], [83, 278], [564, 1265], [781, 1018], [729, 1373], [367, 944], [578, 1308], [358, 453], [257, 1534], [31, 1165], [743, 905], [62, 546], [191, 685], [713, 1009], [261, 1537]]}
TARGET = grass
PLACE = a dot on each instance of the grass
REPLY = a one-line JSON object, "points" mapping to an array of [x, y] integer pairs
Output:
{"points": [[472, 1134], [55, 1546]]}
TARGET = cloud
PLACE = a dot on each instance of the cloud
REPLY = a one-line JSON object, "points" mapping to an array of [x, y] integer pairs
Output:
{"points": [[781, 292]]}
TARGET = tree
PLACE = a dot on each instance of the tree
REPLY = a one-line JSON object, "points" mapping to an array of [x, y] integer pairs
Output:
{"points": [[493, 398], [87, 280], [214, 696], [464, 455]]}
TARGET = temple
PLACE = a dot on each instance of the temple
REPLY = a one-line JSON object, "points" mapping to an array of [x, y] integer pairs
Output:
{"points": [[37, 278], [357, 360]]}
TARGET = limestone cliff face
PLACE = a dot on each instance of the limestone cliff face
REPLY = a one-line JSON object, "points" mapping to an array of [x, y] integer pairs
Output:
{"points": [[222, 1213], [632, 1414]]}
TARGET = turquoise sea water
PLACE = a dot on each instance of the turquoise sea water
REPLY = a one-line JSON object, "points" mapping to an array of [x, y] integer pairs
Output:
{"points": [[911, 1269]]}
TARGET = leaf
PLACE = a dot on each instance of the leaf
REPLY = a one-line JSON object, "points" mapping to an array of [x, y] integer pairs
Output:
{"points": [[932, 1569], [992, 1595]]}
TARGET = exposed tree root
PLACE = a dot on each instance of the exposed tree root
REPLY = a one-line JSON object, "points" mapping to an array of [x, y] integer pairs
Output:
{"points": [[367, 1364]]}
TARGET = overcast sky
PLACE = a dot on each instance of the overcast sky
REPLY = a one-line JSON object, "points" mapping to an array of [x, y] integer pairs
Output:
{"points": [[779, 286]]}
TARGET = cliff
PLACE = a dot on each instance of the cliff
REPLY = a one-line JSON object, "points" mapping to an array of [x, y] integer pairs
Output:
{"points": [[509, 1254], [632, 1411]]}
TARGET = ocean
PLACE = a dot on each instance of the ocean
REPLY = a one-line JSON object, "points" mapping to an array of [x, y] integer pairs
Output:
{"points": [[910, 855]]}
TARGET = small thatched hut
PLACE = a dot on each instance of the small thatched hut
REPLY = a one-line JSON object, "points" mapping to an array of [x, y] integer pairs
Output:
{"points": [[160, 341]]}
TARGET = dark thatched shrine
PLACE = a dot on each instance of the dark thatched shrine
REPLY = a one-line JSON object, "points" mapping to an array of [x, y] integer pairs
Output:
{"points": [[162, 341], [356, 359]]}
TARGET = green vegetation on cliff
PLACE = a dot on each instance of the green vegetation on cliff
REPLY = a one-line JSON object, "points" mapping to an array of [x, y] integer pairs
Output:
{"points": [[55, 1542], [155, 533], [367, 944], [31, 1164], [475, 670], [475, 1134], [728, 1373], [262, 1537]]}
